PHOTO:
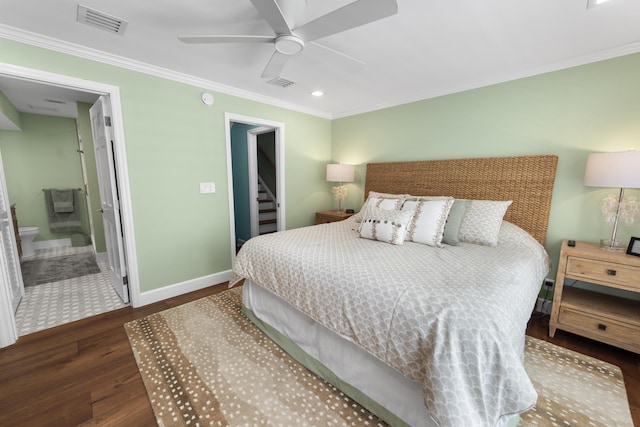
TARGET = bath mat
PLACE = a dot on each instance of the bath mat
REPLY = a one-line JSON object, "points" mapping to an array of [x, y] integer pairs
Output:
{"points": [[47, 270], [205, 363]]}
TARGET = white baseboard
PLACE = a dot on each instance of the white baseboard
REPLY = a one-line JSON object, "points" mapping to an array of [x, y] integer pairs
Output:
{"points": [[181, 288], [102, 256], [543, 306], [48, 244]]}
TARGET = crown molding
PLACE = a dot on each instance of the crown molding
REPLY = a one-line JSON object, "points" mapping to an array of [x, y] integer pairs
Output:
{"points": [[602, 55], [39, 40]]}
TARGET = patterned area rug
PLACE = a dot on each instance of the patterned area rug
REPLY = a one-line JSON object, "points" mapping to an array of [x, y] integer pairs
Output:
{"points": [[573, 389], [47, 270], [205, 363]]}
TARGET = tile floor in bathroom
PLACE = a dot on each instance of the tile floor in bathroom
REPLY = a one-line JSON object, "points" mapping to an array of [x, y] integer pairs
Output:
{"points": [[52, 304]]}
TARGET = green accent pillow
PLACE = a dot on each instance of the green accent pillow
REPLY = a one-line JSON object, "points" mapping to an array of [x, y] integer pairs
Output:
{"points": [[454, 220]]}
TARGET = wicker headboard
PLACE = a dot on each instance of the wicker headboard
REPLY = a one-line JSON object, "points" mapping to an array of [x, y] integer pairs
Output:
{"points": [[527, 180]]}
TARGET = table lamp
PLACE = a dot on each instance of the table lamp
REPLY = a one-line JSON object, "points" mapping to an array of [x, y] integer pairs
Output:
{"points": [[616, 170], [340, 173]]}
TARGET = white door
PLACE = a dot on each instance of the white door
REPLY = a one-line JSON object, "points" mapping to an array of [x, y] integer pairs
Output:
{"points": [[11, 269], [109, 198]]}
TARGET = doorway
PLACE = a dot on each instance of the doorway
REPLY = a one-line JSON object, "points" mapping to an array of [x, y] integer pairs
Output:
{"points": [[255, 165], [119, 176]]}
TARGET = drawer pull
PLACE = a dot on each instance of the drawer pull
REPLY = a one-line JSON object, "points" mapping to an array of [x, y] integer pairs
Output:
{"points": [[602, 327], [611, 272]]}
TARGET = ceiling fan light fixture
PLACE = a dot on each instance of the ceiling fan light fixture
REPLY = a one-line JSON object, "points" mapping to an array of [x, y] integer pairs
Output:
{"points": [[289, 45]]}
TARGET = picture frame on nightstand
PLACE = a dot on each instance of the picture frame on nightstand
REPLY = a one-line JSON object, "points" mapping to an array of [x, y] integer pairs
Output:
{"points": [[634, 246]]}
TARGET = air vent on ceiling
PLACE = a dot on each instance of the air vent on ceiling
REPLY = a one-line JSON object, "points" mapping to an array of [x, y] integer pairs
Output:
{"points": [[279, 81], [54, 101], [98, 19], [39, 108]]}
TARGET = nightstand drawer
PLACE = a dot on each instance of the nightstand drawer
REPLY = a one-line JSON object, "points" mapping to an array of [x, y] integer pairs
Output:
{"points": [[594, 312], [601, 328], [587, 269], [331, 216], [323, 219]]}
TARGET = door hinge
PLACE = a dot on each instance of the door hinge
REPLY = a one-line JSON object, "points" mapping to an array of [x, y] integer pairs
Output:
{"points": [[107, 121], [125, 280]]}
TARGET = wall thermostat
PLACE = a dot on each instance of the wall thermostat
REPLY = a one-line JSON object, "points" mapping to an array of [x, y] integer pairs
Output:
{"points": [[207, 99]]}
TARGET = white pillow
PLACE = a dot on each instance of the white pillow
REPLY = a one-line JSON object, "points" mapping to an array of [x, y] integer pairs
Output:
{"points": [[385, 225], [481, 224], [429, 219], [380, 200]]}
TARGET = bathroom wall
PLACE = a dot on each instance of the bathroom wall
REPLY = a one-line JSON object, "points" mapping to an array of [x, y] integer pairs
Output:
{"points": [[42, 155]]}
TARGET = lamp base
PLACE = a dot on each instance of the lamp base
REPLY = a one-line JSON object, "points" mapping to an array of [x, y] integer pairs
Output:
{"points": [[613, 245]]}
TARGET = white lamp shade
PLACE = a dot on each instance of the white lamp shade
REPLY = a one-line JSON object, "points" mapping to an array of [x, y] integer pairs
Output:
{"points": [[340, 173], [613, 170]]}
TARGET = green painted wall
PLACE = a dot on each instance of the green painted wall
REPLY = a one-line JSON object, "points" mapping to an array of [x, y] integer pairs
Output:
{"points": [[173, 143], [42, 155], [570, 113]]}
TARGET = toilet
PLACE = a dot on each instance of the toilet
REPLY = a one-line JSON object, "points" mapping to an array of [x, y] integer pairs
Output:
{"points": [[27, 234]]}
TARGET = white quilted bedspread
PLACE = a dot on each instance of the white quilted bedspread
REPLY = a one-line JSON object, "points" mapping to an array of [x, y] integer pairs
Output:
{"points": [[452, 318]]}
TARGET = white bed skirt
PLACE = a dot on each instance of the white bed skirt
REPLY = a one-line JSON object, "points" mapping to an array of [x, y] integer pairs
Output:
{"points": [[390, 389]]}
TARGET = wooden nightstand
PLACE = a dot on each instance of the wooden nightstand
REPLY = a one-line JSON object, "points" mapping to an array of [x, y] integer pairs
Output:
{"points": [[331, 216], [610, 319]]}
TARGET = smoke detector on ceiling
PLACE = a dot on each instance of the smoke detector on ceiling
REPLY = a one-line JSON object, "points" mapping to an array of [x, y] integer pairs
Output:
{"points": [[101, 20]]}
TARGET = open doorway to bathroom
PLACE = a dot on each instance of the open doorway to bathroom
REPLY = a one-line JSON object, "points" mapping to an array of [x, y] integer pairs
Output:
{"points": [[65, 269]]}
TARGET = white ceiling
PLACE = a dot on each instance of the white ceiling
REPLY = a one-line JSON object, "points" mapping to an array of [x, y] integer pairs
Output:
{"points": [[429, 48]]}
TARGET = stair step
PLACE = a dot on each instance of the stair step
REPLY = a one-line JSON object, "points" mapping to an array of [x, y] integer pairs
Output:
{"points": [[268, 210], [268, 221]]}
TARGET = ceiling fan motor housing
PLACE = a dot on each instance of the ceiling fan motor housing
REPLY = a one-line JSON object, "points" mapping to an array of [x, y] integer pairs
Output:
{"points": [[289, 44]]}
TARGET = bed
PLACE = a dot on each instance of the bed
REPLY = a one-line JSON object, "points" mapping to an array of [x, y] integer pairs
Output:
{"points": [[420, 332]]}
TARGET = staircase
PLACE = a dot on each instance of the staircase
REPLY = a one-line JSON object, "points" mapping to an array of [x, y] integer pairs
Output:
{"points": [[267, 209]]}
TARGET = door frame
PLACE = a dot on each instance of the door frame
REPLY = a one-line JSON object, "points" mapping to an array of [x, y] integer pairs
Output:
{"points": [[8, 333], [278, 128]]}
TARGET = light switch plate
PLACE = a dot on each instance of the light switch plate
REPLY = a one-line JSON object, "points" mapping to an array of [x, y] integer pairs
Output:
{"points": [[207, 187]]}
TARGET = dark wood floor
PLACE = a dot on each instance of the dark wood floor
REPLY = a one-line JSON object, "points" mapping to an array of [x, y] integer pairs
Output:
{"points": [[84, 373], [81, 373]]}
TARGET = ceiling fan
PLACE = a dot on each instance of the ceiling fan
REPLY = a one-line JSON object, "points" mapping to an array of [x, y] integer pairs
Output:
{"points": [[292, 41]]}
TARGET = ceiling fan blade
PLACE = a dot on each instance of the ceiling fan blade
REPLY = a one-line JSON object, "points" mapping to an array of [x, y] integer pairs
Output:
{"points": [[271, 12], [350, 16], [275, 64], [337, 59], [226, 39]]}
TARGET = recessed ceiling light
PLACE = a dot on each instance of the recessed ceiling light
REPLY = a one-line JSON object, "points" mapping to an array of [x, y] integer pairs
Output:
{"points": [[317, 93], [594, 3]]}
